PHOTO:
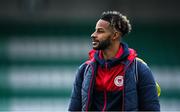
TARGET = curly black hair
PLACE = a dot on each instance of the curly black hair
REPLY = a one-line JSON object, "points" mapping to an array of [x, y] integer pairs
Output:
{"points": [[117, 21]]}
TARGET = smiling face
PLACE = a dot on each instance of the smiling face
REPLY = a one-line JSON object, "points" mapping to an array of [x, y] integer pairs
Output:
{"points": [[101, 38]]}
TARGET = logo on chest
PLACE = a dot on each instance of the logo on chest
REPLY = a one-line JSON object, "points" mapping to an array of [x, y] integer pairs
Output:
{"points": [[118, 81]]}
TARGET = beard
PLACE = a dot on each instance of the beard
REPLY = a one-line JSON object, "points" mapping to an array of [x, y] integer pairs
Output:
{"points": [[102, 45]]}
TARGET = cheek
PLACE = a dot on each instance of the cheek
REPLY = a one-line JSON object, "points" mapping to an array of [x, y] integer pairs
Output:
{"points": [[103, 36]]}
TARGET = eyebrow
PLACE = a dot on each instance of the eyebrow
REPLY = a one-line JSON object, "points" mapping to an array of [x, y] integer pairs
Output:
{"points": [[99, 28]]}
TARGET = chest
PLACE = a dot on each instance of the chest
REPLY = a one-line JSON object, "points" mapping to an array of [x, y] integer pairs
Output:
{"points": [[110, 79]]}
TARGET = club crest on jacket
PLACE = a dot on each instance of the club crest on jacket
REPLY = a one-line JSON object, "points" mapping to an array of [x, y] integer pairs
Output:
{"points": [[118, 81]]}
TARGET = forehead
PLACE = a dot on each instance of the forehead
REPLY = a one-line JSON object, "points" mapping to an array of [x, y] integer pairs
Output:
{"points": [[102, 24]]}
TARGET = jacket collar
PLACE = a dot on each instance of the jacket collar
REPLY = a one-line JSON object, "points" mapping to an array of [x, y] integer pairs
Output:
{"points": [[119, 58]]}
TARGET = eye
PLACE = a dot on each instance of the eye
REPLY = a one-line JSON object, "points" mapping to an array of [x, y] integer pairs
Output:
{"points": [[100, 31]]}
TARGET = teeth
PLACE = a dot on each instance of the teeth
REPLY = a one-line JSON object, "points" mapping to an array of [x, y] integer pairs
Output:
{"points": [[94, 42]]}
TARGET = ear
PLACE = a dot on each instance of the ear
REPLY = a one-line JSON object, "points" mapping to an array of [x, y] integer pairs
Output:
{"points": [[116, 35]]}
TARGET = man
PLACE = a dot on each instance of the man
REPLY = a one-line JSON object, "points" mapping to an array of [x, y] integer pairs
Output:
{"points": [[113, 78]]}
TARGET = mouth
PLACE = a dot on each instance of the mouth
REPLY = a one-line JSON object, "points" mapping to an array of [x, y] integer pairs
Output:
{"points": [[94, 42]]}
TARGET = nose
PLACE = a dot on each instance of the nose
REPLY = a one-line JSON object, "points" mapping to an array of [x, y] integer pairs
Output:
{"points": [[93, 35]]}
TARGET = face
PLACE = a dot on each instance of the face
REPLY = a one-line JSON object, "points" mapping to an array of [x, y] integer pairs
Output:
{"points": [[101, 38]]}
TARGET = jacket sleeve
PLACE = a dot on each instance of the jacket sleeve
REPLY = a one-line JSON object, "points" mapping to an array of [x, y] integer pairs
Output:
{"points": [[147, 93], [75, 100]]}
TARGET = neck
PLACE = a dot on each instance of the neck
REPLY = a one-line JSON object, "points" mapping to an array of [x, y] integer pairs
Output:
{"points": [[111, 51]]}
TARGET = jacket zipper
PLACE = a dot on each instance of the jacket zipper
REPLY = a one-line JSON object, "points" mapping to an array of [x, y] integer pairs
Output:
{"points": [[105, 100]]}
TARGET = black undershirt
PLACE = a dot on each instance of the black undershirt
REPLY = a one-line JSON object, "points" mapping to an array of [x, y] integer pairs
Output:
{"points": [[107, 101]]}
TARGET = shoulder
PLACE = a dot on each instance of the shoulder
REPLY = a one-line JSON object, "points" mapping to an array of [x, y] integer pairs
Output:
{"points": [[82, 67], [141, 60], [142, 65], [80, 74], [144, 71]]}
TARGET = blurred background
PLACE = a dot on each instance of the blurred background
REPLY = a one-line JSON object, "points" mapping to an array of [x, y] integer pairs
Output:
{"points": [[42, 43]]}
